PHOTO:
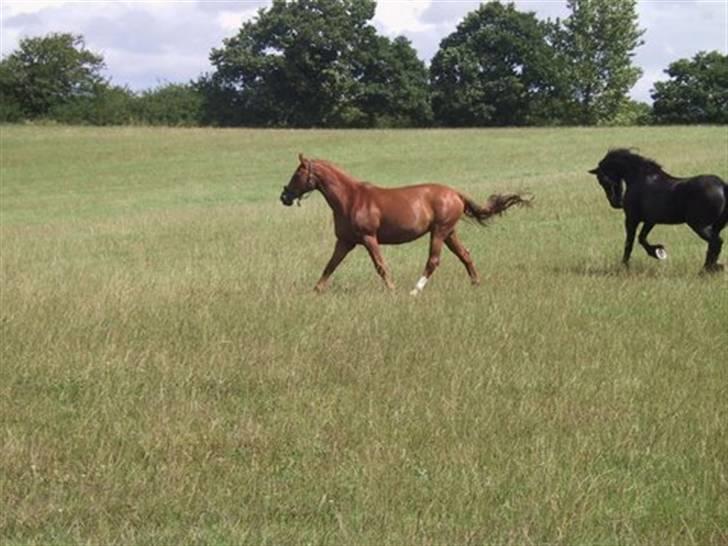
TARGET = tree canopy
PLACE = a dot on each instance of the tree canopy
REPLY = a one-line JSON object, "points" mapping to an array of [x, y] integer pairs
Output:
{"points": [[697, 91], [318, 63], [322, 63], [598, 41], [47, 72], [495, 69]]}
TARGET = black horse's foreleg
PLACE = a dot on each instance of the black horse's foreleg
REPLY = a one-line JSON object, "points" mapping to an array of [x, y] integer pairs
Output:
{"points": [[630, 227], [656, 251]]}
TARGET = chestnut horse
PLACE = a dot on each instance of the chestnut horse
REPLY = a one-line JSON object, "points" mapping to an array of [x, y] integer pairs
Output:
{"points": [[369, 215]]}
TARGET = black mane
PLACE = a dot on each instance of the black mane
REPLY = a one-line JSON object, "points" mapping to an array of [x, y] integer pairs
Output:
{"points": [[634, 162]]}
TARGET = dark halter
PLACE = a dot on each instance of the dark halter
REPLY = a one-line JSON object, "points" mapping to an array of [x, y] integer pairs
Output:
{"points": [[309, 176]]}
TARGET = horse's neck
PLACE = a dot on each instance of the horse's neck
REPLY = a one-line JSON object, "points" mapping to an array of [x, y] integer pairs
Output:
{"points": [[338, 191], [640, 178]]}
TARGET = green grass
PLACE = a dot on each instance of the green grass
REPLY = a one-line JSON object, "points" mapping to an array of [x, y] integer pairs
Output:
{"points": [[169, 376]]}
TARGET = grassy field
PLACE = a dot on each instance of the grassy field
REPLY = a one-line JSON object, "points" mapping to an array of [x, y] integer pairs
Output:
{"points": [[169, 376]]}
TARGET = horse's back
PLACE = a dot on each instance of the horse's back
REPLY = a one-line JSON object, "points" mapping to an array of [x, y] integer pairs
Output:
{"points": [[431, 194], [424, 189], [706, 187], [704, 197]]}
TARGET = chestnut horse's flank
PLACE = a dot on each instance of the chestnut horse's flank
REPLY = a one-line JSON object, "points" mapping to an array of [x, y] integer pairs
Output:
{"points": [[369, 215]]}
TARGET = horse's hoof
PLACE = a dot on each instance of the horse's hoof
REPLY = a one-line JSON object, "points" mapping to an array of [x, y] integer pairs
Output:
{"points": [[660, 254], [714, 268], [414, 292]]}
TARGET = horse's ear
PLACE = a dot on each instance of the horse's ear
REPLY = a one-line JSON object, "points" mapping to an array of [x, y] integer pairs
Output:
{"points": [[301, 158], [595, 170]]}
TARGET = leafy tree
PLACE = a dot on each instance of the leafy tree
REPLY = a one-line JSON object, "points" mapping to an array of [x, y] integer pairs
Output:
{"points": [[170, 104], [497, 68], [221, 103], [632, 112], [49, 71], [106, 105], [10, 108], [315, 63], [697, 91], [598, 41], [393, 86]]}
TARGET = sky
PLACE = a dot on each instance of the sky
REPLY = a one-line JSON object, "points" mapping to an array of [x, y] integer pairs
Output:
{"points": [[146, 43]]}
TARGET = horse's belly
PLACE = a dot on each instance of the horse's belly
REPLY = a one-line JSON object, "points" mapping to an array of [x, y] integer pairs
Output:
{"points": [[399, 235], [665, 217], [663, 210], [403, 223]]}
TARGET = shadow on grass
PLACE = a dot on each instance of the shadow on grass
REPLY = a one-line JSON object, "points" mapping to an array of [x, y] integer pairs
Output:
{"points": [[590, 270], [617, 270]]}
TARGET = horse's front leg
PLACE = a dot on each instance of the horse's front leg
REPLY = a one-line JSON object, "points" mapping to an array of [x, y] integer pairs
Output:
{"points": [[630, 226], [341, 249], [656, 251], [433, 260], [372, 246]]}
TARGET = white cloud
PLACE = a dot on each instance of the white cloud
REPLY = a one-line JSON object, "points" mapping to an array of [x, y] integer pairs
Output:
{"points": [[143, 43], [11, 8], [232, 20], [676, 30], [402, 16]]}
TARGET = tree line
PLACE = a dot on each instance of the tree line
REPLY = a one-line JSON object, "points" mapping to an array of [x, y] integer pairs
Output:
{"points": [[321, 63]]}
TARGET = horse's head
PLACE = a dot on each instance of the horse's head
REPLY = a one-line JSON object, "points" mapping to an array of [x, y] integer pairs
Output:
{"points": [[611, 183], [302, 182]]}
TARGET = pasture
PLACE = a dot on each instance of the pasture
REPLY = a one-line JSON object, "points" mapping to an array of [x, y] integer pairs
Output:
{"points": [[169, 376]]}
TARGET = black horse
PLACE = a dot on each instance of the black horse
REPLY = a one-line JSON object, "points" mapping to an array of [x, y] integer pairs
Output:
{"points": [[654, 197]]}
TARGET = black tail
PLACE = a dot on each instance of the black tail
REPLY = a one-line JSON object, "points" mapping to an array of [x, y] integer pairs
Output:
{"points": [[497, 203]]}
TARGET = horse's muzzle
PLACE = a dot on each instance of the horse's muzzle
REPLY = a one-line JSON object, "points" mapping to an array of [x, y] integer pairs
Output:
{"points": [[287, 197]]}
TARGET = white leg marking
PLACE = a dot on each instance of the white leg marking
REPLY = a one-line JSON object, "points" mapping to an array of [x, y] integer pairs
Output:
{"points": [[419, 286]]}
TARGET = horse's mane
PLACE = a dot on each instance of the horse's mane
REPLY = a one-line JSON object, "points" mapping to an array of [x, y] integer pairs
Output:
{"points": [[636, 162], [338, 171]]}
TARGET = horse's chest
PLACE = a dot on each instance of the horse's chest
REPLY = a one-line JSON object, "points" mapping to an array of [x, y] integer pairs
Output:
{"points": [[355, 224], [344, 229]]}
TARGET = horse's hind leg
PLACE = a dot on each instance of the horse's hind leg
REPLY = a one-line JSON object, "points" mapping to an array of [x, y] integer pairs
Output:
{"points": [[433, 260], [711, 259], [711, 235], [457, 248], [714, 247]]}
